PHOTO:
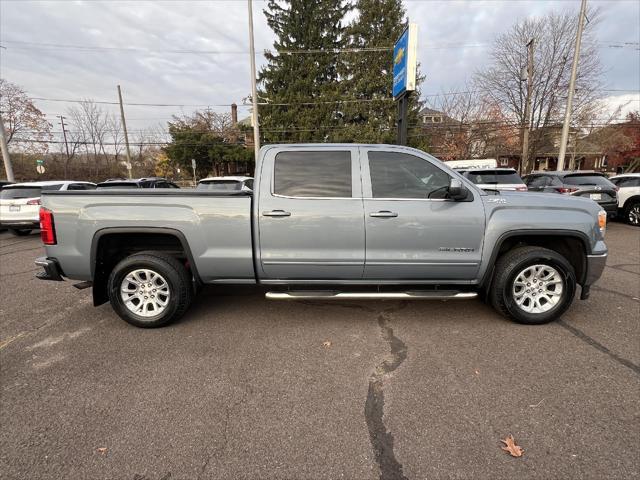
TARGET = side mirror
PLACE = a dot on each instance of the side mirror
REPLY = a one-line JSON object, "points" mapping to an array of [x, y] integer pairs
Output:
{"points": [[457, 190]]}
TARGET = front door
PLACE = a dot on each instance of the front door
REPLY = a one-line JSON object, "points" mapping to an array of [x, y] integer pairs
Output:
{"points": [[413, 232], [310, 214]]}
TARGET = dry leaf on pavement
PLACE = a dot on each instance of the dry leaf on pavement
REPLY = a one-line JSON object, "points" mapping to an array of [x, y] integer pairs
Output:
{"points": [[511, 447], [102, 450], [326, 344]]}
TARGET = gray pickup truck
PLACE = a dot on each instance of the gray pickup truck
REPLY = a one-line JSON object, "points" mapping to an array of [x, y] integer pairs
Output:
{"points": [[332, 222]]}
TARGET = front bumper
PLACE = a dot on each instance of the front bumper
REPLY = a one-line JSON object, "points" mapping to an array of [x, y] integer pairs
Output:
{"points": [[52, 270], [595, 267]]}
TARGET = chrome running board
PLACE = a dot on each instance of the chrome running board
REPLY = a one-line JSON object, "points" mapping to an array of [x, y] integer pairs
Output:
{"points": [[337, 295]]}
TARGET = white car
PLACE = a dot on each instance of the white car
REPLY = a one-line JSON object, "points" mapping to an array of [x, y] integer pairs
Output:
{"points": [[226, 183], [628, 197], [20, 203], [495, 179]]}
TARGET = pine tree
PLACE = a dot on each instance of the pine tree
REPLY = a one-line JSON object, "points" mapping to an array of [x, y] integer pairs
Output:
{"points": [[297, 78]]}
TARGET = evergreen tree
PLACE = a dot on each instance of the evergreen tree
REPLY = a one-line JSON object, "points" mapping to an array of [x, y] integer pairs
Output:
{"points": [[298, 78], [369, 74]]}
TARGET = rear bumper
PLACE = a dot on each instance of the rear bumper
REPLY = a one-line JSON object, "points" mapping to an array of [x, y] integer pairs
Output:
{"points": [[51, 269], [20, 224], [610, 207]]}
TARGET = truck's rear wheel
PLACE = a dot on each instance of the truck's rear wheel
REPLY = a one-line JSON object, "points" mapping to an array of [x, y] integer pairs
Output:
{"points": [[533, 285], [150, 289]]}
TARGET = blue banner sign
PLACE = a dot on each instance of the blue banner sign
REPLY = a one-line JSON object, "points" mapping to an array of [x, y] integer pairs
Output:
{"points": [[405, 60]]}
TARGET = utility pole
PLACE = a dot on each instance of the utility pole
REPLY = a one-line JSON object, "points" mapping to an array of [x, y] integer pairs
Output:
{"points": [[124, 127], [254, 90], [524, 164], [572, 84], [64, 134], [5, 152]]}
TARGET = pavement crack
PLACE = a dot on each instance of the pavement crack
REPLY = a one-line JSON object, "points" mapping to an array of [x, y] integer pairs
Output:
{"points": [[381, 439], [614, 292], [598, 346]]}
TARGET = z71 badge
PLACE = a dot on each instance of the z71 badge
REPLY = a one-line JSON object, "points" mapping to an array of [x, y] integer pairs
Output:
{"points": [[457, 249]]}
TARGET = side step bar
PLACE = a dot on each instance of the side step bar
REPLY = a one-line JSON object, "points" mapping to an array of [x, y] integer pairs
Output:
{"points": [[337, 295]]}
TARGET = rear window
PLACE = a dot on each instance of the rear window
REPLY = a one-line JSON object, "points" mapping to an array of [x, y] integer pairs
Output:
{"points": [[494, 177], [313, 174], [10, 192], [226, 185], [586, 180], [114, 185]]}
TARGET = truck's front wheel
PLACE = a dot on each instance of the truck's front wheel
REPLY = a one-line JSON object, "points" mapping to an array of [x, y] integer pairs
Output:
{"points": [[150, 289], [533, 285]]}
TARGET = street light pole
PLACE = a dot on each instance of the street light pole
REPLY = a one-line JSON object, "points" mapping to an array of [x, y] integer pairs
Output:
{"points": [[572, 84], [254, 90]]}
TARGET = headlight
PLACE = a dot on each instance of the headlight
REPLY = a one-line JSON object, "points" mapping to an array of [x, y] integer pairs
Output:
{"points": [[602, 221]]}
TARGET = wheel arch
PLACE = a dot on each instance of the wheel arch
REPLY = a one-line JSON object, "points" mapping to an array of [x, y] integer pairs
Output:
{"points": [[633, 198], [571, 244], [110, 245]]}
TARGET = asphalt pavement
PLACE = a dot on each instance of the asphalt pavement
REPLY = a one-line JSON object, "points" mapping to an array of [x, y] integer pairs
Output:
{"points": [[248, 388]]}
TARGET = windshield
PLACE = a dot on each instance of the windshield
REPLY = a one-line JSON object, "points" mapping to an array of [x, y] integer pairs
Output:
{"points": [[118, 185], [587, 180], [10, 192], [494, 177], [220, 185]]}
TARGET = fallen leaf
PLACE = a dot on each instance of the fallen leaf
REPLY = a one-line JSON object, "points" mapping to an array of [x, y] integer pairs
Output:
{"points": [[477, 372], [326, 344], [511, 447], [102, 450]]}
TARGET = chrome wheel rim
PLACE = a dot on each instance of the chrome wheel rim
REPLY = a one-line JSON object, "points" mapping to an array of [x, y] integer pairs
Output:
{"points": [[634, 215], [145, 293], [538, 288]]}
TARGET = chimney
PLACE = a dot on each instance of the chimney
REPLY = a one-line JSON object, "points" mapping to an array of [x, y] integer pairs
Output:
{"points": [[234, 114]]}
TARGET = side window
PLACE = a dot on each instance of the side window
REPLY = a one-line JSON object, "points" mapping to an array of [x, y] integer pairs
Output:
{"points": [[313, 174], [162, 185], [249, 184], [401, 175]]}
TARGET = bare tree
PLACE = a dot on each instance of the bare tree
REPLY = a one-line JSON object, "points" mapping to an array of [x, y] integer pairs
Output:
{"points": [[24, 122], [554, 36]]}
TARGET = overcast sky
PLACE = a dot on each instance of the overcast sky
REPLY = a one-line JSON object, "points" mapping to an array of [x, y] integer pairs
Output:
{"points": [[43, 49]]}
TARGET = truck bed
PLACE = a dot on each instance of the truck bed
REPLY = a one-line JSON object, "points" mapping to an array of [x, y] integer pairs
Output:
{"points": [[215, 227]]}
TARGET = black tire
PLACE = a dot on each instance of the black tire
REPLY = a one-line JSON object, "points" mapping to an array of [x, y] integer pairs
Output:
{"points": [[19, 232], [511, 264], [173, 272], [632, 213]]}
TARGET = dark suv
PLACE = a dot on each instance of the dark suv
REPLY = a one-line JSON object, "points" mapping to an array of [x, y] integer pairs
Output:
{"points": [[150, 182], [593, 185]]}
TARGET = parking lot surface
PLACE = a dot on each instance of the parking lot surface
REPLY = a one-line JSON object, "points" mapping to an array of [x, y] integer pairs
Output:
{"points": [[248, 388]]}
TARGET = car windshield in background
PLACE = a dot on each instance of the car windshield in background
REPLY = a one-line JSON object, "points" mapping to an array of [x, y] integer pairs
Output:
{"points": [[228, 185], [586, 180], [10, 192], [494, 177], [114, 185]]}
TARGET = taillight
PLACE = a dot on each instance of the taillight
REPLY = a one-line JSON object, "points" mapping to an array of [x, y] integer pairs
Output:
{"points": [[566, 190], [522, 189], [617, 188], [47, 228], [35, 201]]}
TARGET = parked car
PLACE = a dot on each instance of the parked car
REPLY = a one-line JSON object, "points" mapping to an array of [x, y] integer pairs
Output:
{"points": [[502, 179], [20, 203], [628, 197], [149, 182], [226, 183], [329, 221], [589, 184]]}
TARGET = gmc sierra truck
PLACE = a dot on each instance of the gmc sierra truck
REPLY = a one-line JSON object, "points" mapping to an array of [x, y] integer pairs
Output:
{"points": [[332, 222]]}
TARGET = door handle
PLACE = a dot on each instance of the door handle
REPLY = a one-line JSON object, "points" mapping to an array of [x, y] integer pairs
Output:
{"points": [[383, 214], [276, 213]]}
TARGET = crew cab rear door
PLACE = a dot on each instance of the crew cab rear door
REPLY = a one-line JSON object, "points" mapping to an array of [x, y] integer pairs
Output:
{"points": [[413, 232], [310, 214]]}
